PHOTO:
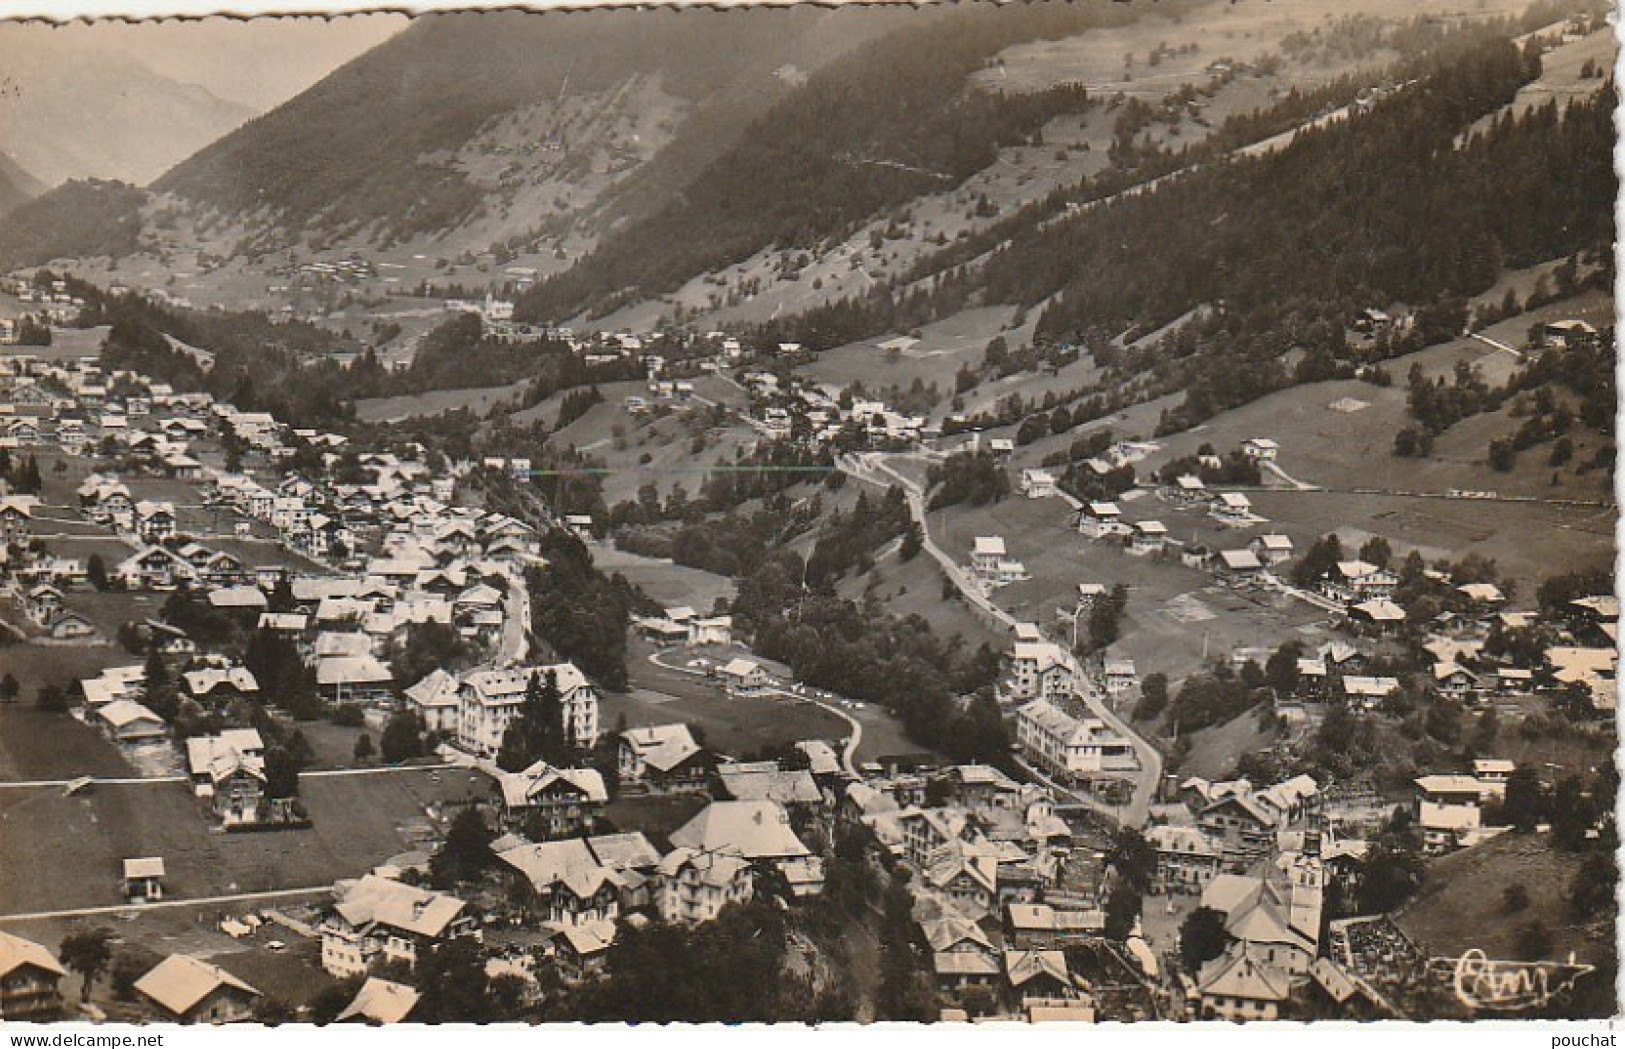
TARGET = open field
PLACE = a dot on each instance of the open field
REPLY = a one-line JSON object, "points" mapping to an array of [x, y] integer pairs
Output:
{"points": [[477, 399], [293, 975], [38, 745], [1157, 630], [668, 583], [944, 347], [1560, 81], [359, 821], [731, 726], [1460, 906], [112, 609], [66, 343], [1214, 750]]}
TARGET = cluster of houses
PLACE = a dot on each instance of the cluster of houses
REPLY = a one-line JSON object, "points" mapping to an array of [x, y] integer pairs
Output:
{"points": [[50, 303], [832, 416], [179, 989], [996, 887], [577, 887], [1262, 858]]}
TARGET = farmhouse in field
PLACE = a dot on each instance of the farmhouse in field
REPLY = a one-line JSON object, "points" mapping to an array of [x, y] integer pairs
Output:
{"points": [[187, 990]]}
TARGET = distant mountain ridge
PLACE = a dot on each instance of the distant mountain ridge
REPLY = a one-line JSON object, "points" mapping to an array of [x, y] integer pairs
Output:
{"points": [[16, 185], [78, 112]]}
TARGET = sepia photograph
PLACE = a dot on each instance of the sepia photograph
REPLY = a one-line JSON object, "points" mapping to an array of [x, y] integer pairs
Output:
{"points": [[977, 513]]}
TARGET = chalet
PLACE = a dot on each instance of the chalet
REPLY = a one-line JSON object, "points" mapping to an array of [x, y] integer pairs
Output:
{"points": [[1241, 563], [155, 522], [1260, 449], [187, 990], [1234, 987], [757, 831], [1188, 490], [1367, 693], [228, 770], [662, 631], [16, 519], [1482, 595], [1378, 615], [962, 956], [376, 919], [239, 599], [1038, 484], [1449, 809], [1493, 774], [744, 678], [1119, 676], [967, 878], [1567, 334], [144, 879], [550, 802], [1045, 927], [221, 569], [1271, 549], [354, 679], [436, 701], [1100, 519], [662, 759], [1233, 508], [1372, 321], [1039, 670], [567, 884], [767, 781], [126, 721], [1240, 826], [711, 630], [694, 886], [1186, 859], [1039, 975], [380, 1002], [1149, 537], [1354, 581], [582, 951], [986, 555], [30, 982], [1454, 681], [70, 626], [43, 602], [154, 568]]}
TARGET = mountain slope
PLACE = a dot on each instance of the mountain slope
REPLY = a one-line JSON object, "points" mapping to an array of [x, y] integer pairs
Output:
{"points": [[76, 220], [448, 121], [887, 123], [16, 185], [81, 109]]}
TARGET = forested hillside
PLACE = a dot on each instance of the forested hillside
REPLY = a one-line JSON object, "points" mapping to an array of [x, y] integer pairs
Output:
{"points": [[75, 220], [1272, 253], [888, 122]]}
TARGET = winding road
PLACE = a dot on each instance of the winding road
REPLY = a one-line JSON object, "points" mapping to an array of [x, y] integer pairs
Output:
{"points": [[872, 468]]}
